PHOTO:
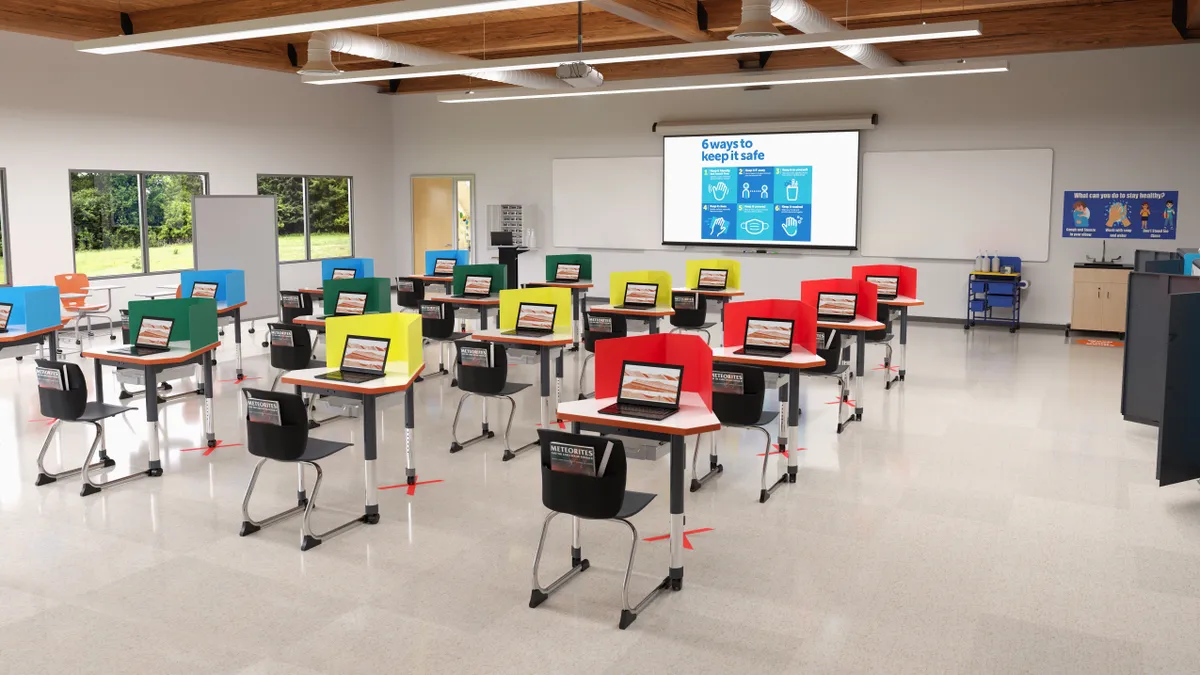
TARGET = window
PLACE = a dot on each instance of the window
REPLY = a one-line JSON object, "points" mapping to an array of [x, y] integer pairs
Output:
{"points": [[5, 275], [133, 223], [313, 215]]}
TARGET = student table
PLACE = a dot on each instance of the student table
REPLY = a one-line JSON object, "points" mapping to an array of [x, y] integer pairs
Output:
{"points": [[16, 336], [544, 346], [434, 280], [859, 325], [179, 354], [722, 296], [579, 289], [236, 312], [650, 316], [693, 418], [903, 302], [789, 398], [398, 378], [482, 304], [154, 295]]}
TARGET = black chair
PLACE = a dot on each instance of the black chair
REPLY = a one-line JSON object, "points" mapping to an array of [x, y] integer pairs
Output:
{"points": [[410, 293], [739, 394], [691, 312], [70, 405], [884, 337], [291, 349], [485, 374], [437, 325], [596, 327], [289, 442], [292, 304], [602, 497], [836, 352]]}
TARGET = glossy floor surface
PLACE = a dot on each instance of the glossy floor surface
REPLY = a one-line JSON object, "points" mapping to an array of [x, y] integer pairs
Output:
{"points": [[993, 514]]}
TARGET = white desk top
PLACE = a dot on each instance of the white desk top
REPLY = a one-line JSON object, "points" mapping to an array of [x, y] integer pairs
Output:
{"points": [[106, 287], [495, 335], [180, 352], [610, 309], [577, 285], [488, 301], [156, 294], [398, 377], [860, 322], [434, 278], [902, 300], [17, 332], [798, 359], [167, 287], [693, 418], [712, 293]]}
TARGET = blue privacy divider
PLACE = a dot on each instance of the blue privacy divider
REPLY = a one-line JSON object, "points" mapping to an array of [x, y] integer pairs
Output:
{"points": [[34, 307], [231, 284], [461, 257], [363, 267]]}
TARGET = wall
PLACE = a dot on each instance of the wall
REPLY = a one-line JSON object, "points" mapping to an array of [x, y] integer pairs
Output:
{"points": [[1116, 119], [63, 110]]}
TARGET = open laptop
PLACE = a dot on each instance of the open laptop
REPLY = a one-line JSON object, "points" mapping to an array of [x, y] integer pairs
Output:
{"points": [[839, 307], [204, 289], [5, 312], [363, 359], [534, 319], [887, 286], [639, 296], [711, 280], [648, 391], [344, 273], [444, 267], [770, 338], [350, 303], [153, 337], [566, 272], [476, 286]]}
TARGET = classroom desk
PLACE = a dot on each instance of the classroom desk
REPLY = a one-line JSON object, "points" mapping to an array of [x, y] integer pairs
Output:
{"points": [[398, 379], [312, 321], [579, 289], [481, 304], [722, 296], [434, 280], [180, 353], [789, 402], [236, 311], [650, 316], [316, 292], [16, 335], [903, 302], [544, 345], [154, 295], [693, 418], [860, 325]]}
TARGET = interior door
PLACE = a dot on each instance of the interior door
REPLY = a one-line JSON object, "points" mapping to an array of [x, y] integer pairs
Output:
{"points": [[1178, 451], [434, 217]]}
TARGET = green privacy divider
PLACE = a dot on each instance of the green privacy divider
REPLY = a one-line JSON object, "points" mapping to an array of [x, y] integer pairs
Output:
{"points": [[379, 298], [584, 260], [498, 273], [195, 318]]}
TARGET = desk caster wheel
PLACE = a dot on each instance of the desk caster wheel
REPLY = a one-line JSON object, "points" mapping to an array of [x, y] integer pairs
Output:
{"points": [[112, 337], [371, 519]]}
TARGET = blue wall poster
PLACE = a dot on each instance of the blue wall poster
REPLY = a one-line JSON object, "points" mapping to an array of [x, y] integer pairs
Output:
{"points": [[757, 203], [1120, 215]]}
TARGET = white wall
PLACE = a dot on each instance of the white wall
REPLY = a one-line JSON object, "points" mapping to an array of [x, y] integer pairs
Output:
{"points": [[1116, 119], [60, 110]]}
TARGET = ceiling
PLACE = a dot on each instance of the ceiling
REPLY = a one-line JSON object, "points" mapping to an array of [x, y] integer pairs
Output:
{"points": [[1010, 27]]}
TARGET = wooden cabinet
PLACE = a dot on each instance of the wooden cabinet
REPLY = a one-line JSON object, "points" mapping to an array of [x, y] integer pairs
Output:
{"points": [[1099, 299]]}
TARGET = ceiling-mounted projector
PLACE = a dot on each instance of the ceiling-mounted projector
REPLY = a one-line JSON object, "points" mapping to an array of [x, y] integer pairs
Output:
{"points": [[579, 75]]}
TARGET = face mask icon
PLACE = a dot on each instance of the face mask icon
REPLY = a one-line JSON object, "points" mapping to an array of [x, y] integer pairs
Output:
{"points": [[755, 226], [792, 225], [719, 191]]}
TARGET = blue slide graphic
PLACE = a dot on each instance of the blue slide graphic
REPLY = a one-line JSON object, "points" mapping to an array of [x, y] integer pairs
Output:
{"points": [[720, 222], [757, 203], [754, 222]]}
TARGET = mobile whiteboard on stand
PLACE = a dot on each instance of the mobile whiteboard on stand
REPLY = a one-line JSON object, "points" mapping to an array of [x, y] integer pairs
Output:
{"points": [[237, 232]]}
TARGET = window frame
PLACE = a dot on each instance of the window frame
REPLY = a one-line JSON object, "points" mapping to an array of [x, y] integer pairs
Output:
{"points": [[143, 221], [8, 280], [304, 178]]}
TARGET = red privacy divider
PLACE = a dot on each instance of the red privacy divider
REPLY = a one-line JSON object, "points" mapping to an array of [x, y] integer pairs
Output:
{"points": [[868, 295], [907, 284], [804, 333], [688, 351]]}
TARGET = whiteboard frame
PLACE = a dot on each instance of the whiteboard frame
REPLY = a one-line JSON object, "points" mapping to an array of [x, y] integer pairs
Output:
{"points": [[225, 256], [651, 243]]}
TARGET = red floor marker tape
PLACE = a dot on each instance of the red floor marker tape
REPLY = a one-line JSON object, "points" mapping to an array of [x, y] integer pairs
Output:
{"points": [[240, 380], [883, 367], [208, 451], [780, 452], [44, 420], [412, 489], [686, 542], [561, 424], [837, 401]]}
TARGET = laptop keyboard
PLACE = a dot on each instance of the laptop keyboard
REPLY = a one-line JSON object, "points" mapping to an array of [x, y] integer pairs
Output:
{"points": [[643, 411]]}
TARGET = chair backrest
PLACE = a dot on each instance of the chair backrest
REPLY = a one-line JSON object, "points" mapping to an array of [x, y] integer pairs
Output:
{"points": [[883, 314], [179, 291], [289, 314], [285, 441], [72, 283], [620, 328], [738, 393], [438, 329], [828, 343], [407, 298], [291, 346], [578, 494], [68, 403], [685, 316], [481, 379]]}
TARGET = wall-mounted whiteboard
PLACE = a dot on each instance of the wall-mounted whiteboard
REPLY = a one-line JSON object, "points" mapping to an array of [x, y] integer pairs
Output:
{"points": [[954, 204], [612, 202], [237, 232]]}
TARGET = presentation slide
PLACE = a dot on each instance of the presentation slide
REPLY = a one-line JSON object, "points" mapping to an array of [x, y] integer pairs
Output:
{"points": [[763, 190]]}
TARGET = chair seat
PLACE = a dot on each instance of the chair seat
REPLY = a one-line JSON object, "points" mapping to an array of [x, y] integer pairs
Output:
{"points": [[764, 419], [95, 411], [453, 337], [86, 308], [318, 448], [701, 326], [511, 388], [885, 336], [634, 502]]}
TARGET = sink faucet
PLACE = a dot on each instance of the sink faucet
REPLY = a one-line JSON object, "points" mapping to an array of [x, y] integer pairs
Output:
{"points": [[1103, 253]]}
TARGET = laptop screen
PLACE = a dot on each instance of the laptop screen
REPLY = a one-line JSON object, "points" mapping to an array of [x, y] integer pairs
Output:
{"points": [[477, 285], [887, 285], [344, 273], [566, 272], [154, 332], [712, 279], [365, 354], [533, 316], [204, 289], [444, 266], [650, 383], [836, 304], [769, 333], [350, 304], [5, 312], [641, 294], [431, 310]]}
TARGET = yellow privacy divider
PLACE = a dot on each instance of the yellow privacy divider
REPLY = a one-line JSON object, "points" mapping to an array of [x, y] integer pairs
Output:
{"points": [[404, 330], [510, 302], [617, 281], [733, 280]]}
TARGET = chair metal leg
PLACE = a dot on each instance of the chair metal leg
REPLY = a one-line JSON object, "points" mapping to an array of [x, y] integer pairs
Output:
{"points": [[509, 453], [887, 367], [46, 477], [765, 492], [539, 595], [455, 445], [275, 382], [629, 614], [91, 487], [844, 395], [713, 467], [583, 375], [707, 336], [441, 369], [250, 525], [313, 539]]}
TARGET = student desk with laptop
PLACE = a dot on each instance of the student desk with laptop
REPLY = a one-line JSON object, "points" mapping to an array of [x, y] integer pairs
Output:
{"points": [[639, 299], [29, 315], [897, 286], [568, 275], [480, 289], [228, 289], [718, 283], [657, 387], [846, 305], [440, 274]]}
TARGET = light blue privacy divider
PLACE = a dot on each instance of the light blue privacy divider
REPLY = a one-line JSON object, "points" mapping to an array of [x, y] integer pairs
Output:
{"points": [[461, 257], [1190, 263], [231, 284], [363, 267], [34, 307]]}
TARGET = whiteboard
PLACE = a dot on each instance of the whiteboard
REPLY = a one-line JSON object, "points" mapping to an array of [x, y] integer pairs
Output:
{"points": [[611, 202], [237, 232], [954, 204]]}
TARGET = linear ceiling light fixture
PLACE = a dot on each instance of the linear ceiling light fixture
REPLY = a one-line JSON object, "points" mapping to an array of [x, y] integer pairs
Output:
{"points": [[733, 81], [937, 31], [307, 22]]}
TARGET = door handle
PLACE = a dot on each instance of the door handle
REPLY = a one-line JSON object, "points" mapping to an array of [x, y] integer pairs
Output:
{"points": [[1108, 295], [1097, 292]]}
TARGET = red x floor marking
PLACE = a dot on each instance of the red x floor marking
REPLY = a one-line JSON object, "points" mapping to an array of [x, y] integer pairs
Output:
{"points": [[44, 420], [208, 451], [883, 367], [837, 401], [686, 542], [561, 424], [412, 489], [783, 452], [240, 380]]}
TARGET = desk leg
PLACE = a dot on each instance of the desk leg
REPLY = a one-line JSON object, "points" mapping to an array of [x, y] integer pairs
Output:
{"points": [[653, 322], [793, 426], [151, 400], [860, 360], [52, 345], [575, 302], [678, 462], [370, 429], [785, 395], [483, 320], [544, 384], [410, 423], [209, 434], [99, 387], [558, 378], [903, 339], [237, 341]]}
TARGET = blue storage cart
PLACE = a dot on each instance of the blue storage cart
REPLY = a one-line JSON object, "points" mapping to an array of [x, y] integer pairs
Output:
{"points": [[991, 291]]}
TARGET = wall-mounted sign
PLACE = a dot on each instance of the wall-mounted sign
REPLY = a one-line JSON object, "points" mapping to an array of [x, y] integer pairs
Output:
{"points": [[1120, 215]]}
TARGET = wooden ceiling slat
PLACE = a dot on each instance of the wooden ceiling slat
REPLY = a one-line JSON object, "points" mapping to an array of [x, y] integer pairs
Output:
{"points": [[673, 17]]}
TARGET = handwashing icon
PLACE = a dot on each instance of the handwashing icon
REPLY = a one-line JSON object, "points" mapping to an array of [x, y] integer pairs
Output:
{"points": [[793, 191], [792, 225], [715, 223], [718, 191]]}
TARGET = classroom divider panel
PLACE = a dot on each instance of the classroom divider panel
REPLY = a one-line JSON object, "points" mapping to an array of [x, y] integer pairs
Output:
{"points": [[1146, 328], [1178, 451], [804, 330], [906, 277], [689, 351], [584, 260], [239, 232], [498, 273], [511, 299], [378, 290], [34, 307], [461, 257], [404, 331], [1142, 256], [868, 295], [231, 284], [617, 281], [195, 319], [732, 280], [364, 268]]}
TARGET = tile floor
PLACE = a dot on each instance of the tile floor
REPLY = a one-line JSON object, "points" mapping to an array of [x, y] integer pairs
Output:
{"points": [[993, 514]]}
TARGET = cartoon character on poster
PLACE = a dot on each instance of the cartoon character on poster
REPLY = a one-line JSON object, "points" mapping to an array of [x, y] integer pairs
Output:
{"points": [[1169, 215], [1145, 213], [1118, 214], [1081, 213]]}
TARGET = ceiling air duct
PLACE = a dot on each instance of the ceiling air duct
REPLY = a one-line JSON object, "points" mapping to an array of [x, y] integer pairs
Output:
{"points": [[808, 19], [756, 22]]}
